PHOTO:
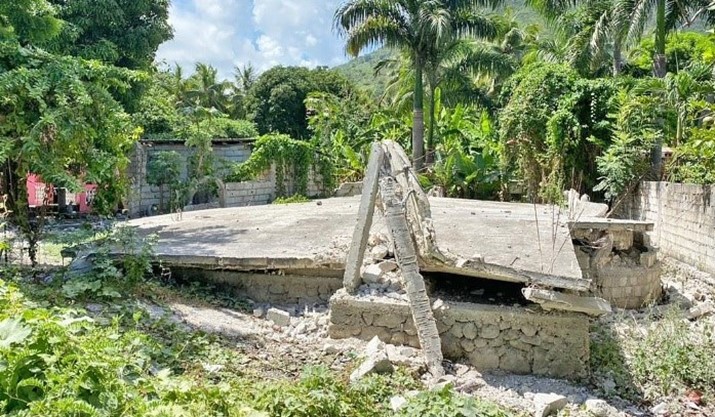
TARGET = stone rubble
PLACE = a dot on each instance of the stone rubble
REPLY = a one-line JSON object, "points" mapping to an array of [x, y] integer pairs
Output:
{"points": [[278, 317], [599, 408], [548, 404], [375, 360]]}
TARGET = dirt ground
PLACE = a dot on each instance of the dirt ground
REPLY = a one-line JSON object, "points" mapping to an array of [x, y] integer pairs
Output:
{"points": [[284, 351]]}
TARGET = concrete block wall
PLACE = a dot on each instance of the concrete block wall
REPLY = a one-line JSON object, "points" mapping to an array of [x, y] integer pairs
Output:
{"points": [[512, 339], [143, 196], [251, 193], [684, 217]]}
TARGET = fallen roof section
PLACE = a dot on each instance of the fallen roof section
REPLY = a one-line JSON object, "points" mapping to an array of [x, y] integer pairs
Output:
{"points": [[504, 241]]}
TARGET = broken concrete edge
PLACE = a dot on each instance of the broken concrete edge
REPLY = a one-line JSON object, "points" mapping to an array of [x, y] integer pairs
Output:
{"points": [[552, 300], [298, 266], [612, 224], [500, 273], [440, 305], [361, 233]]}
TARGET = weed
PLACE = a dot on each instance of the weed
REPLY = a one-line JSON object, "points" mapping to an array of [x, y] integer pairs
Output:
{"points": [[292, 199], [670, 357], [656, 358], [447, 403]]}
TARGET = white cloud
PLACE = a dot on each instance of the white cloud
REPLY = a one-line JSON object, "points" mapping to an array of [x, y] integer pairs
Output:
{"points": [[265, 33]]}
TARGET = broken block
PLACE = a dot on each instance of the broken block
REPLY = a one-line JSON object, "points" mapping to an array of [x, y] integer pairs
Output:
{"points": [[278, 317], [548, 404], [375, 361], [372, 274]]}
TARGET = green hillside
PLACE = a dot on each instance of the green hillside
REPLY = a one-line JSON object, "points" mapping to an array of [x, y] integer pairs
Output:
{"points": [[361, 71]]}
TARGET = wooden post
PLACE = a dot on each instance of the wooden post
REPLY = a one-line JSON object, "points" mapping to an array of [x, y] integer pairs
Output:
{"points": [[406, 255], [352, 279]]}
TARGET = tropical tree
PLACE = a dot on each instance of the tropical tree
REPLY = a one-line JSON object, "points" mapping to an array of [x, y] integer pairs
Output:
{"points": [[589, 35], [276, 101], [205, 89], [125, 33], [669, 16], [420, 29]]}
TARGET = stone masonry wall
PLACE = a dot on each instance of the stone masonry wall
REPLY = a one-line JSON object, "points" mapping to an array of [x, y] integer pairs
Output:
{"points": [[512, 339], [684, 217], [265, 288]]}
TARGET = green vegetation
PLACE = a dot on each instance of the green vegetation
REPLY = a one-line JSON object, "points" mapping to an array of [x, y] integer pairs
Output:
{"points": [[56, 359], [662, 357], [292, 199], [293, 161]]}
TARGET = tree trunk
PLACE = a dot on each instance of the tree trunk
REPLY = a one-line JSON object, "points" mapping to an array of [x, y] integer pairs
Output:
{"points": [[418, 123], [659, 60], [617, 58], [659, 71], [430, 130]]}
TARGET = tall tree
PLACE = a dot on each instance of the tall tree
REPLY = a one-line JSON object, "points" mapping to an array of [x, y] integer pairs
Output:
{"points": [[276, 101], [28, 21], [417, 27], [125, 33], [668, 17], [205, 89]]}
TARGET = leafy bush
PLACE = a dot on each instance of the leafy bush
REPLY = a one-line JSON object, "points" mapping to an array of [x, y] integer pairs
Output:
{"points": [[110, 277], [553, 125], [232, 129], [694, 162]]}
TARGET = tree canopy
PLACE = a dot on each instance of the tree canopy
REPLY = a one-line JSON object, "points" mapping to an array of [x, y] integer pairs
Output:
{"points": [[276, 100], [125, 33]]}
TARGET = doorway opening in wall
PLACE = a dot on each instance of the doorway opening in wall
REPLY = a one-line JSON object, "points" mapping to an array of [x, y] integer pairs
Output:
{"points": [[460, 288], [207, 194]]}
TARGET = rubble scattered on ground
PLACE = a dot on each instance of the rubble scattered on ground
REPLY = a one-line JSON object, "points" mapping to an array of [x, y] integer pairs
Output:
{"points": [[548, 404]]}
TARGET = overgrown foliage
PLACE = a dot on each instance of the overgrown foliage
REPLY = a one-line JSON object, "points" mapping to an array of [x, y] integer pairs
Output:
{"points": [[293, 160], [276, 100], [660, 358], [554, 124]]}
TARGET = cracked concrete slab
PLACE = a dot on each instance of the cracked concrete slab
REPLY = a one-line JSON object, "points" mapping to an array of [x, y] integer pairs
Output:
{"points": [[527, 238]]}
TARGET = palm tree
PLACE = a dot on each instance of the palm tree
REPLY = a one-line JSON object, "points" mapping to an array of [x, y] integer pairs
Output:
{"points": [[587, 34], [245, 77], [669, 16], [418, 27], [207, 91]]}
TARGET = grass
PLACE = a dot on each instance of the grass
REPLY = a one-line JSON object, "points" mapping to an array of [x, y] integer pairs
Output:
{"points": [[662, 356], [56, 359]]}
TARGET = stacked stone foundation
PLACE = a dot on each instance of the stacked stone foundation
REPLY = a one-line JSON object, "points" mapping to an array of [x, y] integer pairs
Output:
{"points": [[521, 340]]}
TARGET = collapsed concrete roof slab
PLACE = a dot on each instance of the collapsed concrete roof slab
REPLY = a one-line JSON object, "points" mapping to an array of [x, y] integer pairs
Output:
{"points": [[508, 241]]}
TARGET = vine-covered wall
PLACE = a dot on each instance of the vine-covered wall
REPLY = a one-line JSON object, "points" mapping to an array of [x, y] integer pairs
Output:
{"points": [[261, 188]]}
